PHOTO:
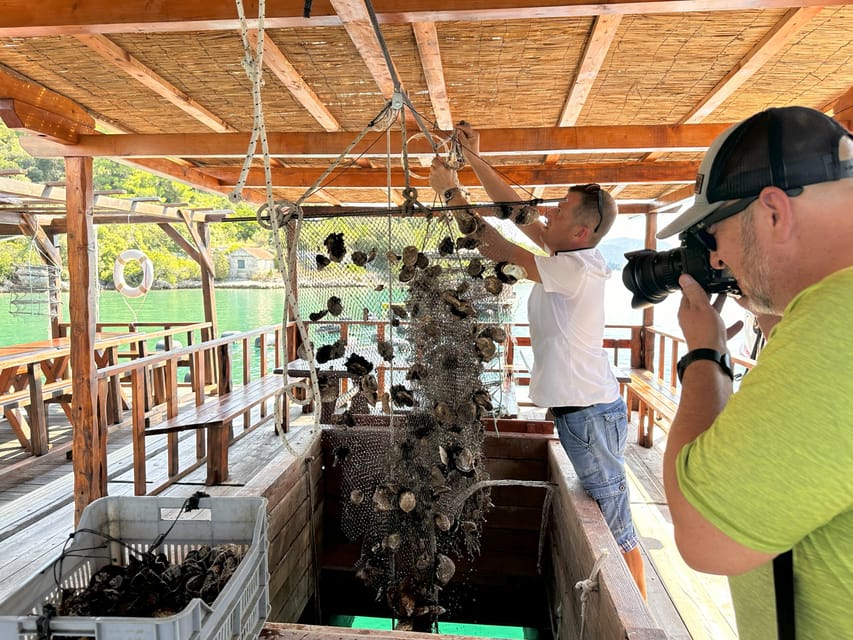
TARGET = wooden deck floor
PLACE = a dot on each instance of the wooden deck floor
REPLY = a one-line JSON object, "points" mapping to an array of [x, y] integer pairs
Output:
{"points": [[36, 514]]}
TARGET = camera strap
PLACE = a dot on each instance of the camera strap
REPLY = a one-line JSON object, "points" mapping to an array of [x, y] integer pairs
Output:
{"points": [[783, 583]]}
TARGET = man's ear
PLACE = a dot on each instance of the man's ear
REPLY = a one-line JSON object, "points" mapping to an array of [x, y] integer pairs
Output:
{"points": [[777, 211]]}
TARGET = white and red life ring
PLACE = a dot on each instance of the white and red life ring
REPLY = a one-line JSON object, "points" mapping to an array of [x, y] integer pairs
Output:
{"points": [[147, 273]]}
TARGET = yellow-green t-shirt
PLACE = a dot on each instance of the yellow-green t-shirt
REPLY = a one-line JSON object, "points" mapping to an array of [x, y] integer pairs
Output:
{"points": [[775, 470]]}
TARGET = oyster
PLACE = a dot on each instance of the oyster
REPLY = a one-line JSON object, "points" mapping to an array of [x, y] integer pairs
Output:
{"points": [[444, 570], [493, 285], [443, 412], [464, 460], [333, 304], [466, 221], [369, 383], [475, 268], [382, 499], [510, 273], [525, 214], [318, 315], [446, 246], [486, 349], [392, 257], [442, 522], [410, 256], [401, 396], [386, 350], [407, 273], [417, 371], [422, 261], [399, 311], [392, 541], [466, 412], [334, 244], [467, 242], [356, 496], [322, 261], [407, 501], [357, 365], [330, 352]]}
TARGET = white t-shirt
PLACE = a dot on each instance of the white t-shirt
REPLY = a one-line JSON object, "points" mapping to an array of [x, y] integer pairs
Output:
{"points": [[566, 314]]}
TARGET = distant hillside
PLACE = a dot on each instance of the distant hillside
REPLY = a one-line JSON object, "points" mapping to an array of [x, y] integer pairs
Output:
{"points": [[614, 249]]}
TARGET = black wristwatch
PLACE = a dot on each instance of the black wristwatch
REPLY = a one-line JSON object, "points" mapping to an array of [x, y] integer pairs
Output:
{"points": [[722, 359], [448, 195]]}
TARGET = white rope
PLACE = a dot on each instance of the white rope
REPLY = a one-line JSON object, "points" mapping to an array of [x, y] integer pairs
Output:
{"points": [[590, 585]]}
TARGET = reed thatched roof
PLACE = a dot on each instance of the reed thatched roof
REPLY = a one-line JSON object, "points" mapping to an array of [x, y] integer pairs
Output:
{"points": [[625, 93]]}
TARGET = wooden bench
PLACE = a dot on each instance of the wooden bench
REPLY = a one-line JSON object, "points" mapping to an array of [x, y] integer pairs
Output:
{"points": [[655, 401], [12, 402], [216, 414]]}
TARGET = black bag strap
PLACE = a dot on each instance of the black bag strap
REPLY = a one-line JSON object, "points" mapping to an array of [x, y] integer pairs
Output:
{"points": [[783, 583]]}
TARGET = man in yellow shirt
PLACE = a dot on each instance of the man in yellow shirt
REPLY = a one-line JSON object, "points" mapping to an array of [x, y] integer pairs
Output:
{"points": [[752, 475]]}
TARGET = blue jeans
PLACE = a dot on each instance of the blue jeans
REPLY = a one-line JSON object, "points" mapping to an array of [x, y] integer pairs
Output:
{"points": [[594, 439]]}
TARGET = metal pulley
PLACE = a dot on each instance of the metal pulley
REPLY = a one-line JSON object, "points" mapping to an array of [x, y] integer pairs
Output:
{"points": [[282, 212]]}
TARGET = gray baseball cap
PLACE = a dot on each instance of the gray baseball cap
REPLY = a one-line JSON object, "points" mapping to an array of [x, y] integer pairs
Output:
{"points": [[787, 147]]}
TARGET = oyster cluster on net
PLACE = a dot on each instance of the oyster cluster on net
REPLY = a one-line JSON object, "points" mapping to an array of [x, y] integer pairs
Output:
{"points": [[402, 492], [151, 586]]}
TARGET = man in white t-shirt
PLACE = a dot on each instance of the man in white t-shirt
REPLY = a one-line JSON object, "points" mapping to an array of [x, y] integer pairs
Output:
{"points": [[571, 373]]}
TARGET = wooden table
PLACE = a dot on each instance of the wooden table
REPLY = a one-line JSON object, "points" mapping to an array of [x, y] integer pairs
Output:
{"points": [[34, 373]]}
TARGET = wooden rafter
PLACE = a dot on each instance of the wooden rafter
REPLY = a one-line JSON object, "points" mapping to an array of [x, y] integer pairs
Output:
{"points": [[603, 32], [110, 51], [26, 105], [555, 175], [504, 142], [764, 50], [427, 38], [356, 20], [60, 17], [675, 197], [278, 63]]}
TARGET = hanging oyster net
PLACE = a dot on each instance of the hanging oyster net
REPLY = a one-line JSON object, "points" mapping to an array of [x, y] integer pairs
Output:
{"points": [[413, 323]]}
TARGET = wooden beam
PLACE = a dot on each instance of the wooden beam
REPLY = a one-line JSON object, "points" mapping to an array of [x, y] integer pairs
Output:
{"points": [[20, 18], [181, 241], [89, 434], [205, 260], [505, 142], [675, 197], [110, 51], [17, 88], [603, 32], [27, 105], [356, 20], [554, 175], [427, 38], [30, 226], [287, 74], [765, 49]]}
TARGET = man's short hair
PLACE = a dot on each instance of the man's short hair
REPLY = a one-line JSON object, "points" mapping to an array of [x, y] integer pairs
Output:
{"points": [[787, 147]]}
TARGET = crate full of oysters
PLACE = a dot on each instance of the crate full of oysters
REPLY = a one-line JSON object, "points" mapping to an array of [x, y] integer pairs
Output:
{"points": [[152, 568]]}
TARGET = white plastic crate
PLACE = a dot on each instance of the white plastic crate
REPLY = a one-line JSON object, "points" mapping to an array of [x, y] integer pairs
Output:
{"points": [[238, 613]]}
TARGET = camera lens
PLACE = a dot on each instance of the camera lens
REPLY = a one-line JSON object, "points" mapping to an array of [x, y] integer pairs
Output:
{"points": [[651, 276]]}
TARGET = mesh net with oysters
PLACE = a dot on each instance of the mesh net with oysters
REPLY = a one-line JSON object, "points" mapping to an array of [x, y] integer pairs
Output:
{"points": [[414, 316]]}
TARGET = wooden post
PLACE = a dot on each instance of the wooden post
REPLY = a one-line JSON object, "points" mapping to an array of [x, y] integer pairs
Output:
{"points": [[55, 296], [90, 439], [648, 347], [219, 434]]}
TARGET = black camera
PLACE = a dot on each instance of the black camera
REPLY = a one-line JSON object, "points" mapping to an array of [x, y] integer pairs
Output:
{"points": [[652, 275]]}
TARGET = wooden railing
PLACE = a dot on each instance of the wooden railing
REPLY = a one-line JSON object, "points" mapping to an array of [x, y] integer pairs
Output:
{"points": [[664, 348], [153, 384]]}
